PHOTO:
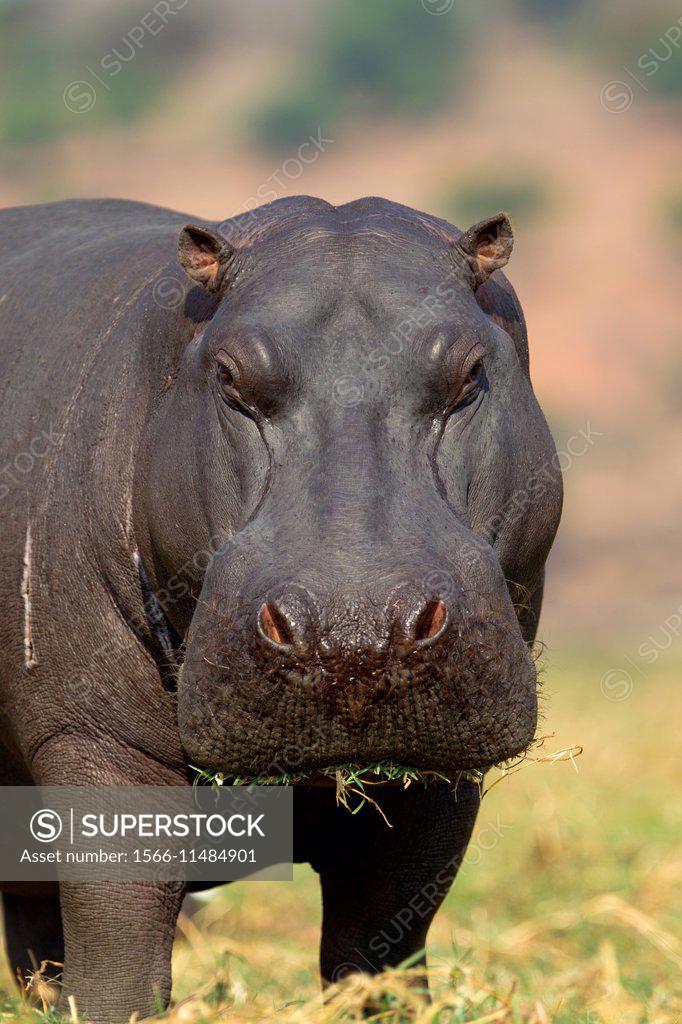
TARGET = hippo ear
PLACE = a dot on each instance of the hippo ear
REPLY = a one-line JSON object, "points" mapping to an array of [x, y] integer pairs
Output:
{"points": [[204, 256], [487, 246]]}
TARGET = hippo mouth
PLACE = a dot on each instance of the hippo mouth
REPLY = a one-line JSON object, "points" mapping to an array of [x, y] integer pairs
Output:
{"points": [[462, 705], [354, 785], [381, 774]]}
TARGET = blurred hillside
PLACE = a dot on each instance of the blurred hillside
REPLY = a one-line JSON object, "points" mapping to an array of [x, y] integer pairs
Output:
{"points": [[564, 113]]}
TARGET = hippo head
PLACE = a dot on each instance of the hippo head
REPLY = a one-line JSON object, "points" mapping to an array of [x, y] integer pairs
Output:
{"points": [[353, 443]]}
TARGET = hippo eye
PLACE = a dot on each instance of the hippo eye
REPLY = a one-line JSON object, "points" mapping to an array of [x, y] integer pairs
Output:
{"points": [[227, 372], [470, 387], [225, 376]]}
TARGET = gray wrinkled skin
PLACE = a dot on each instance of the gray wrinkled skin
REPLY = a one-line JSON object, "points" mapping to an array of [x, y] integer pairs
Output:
{"points": [[346, 470]]}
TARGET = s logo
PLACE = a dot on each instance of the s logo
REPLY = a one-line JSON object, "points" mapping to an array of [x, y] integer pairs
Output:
{"points": [[46, 826]]}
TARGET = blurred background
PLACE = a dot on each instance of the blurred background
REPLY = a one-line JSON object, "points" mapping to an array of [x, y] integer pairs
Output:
{"points": [[565, 113], [561, 112]]}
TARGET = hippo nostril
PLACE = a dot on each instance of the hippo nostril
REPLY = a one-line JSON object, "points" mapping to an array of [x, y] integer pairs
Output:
{"points": [[287, 620], [274, 626], [431, 621]]}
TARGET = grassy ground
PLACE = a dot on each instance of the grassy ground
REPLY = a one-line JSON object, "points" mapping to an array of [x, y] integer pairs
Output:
{"points": [[562, 912]]}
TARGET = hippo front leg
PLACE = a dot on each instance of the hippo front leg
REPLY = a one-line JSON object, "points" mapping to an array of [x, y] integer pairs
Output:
{"points": [[381, 887], [118, 936], [118, 940]]}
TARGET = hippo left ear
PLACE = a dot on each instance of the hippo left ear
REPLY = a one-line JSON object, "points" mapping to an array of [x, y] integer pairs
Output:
{"points": [[487, 246], [204, 256]]}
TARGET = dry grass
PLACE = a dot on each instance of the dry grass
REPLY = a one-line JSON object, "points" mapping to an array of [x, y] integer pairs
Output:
{"points": [[564, 910]]}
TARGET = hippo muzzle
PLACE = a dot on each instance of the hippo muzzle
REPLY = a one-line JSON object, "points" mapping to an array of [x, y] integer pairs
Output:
{"points": [[417, 671]]}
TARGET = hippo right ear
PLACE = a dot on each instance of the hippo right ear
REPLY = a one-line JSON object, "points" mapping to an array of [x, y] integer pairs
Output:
{"points": [[486, 247], [204, 256]]}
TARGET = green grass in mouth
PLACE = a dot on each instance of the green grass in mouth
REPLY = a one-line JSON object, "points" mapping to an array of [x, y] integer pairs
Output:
{"points": [[352, 780]]}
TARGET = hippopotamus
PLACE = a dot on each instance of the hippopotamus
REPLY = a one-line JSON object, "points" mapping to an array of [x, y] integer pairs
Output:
{"points": [[277, 496]]}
